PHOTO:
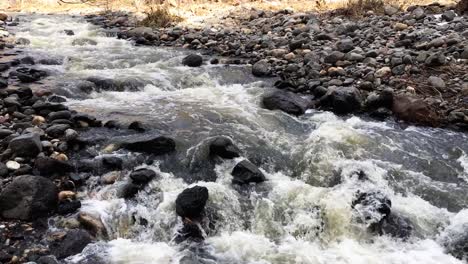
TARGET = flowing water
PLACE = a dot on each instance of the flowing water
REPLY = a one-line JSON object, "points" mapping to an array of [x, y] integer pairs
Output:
{"points": [[302, 213]]}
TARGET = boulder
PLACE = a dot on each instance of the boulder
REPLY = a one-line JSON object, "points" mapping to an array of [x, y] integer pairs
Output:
{"points": [[129, 190], [288, 102], [382, 99], [57, 130], [142, 176], [342, 100], [28, 197], [245, 172], [190, 203], [72, 243], [189, 230], [47, 166], [224, 147], [261, 68], [69, 32], [193, 60], [28, 145], [3, 17], [157, 145]]}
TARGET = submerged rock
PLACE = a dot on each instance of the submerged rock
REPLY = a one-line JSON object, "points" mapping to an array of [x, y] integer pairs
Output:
{"points": [[342, 100], [193, 60], [245, 172], [28, 197], [83, 42], [288, 102], [28, 75], [190, 203]]}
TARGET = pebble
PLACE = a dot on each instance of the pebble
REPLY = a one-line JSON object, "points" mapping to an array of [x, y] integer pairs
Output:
{"points": [[13, 165]]}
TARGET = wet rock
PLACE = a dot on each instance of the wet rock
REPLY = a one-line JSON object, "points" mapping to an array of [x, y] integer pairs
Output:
{"points": [[28, 145], [261, 68], [47, 166], [28, 197], [68, 206], [190, 230], [193, 60], [224, 147], [342, 100], [58, 130], [190, 203], [372, 207], [137, 126], [383, 99], [449, 15], [22, 41], [129, 190], [395, 226], [157, 145], [3, 170], [92, 224], [112, 163], [142, 176], [47, 260], [69, 32], [245, 172], [71, 244], [84, 42], [28, 75], [285, 101], [64, 114], [5, 133], [334, 57]]}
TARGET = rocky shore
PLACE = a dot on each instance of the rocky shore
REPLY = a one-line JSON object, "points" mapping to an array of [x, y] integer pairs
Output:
{"points": [[408, 64]]}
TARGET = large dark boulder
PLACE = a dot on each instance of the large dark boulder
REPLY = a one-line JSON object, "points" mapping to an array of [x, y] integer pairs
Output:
{"points": [[28, 197], [342, 100], [142, 176], [245, 172], [157, 145], [190, 203], [71, 244], [47, 166], [288, 102], [28, 145], [224, 147], [193, 60]]}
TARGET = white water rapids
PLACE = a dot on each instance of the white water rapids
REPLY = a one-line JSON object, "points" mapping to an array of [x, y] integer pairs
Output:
{"points": [[296, 216]]}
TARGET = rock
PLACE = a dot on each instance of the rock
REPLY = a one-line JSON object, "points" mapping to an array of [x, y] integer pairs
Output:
{"points": [[137, 126], [190, 203], [288, 102], [28, 197], [3, 170], [224, 147], [28, 75], [245, 172], [112, 163], [47, 260], [418, 13], [401, 26], [56, 131], [13, 165], [3, 83], [71, 244], [129, 190], [38, 120], [71, 134], [22, 41], [28, 145], [190, 230], [84, 42], [437, 82], [3, 17], [47, 166], [142, 176], [334, 57], [395, 226], [193, 60], [383, 72], [5, 133], [157, 145], [69, 32], [261, 68], [449, 15], [372, 207], [92, 224], [436, 60], [390, 10], [68, 206], [413, 110], [342, 100], [141, 32], [64, 114], [278, 53], [384, 99], [345, 45]]}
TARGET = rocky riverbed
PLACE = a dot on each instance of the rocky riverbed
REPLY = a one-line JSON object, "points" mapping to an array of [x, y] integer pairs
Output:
{"points": [[183, 161], [409, 64]]}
